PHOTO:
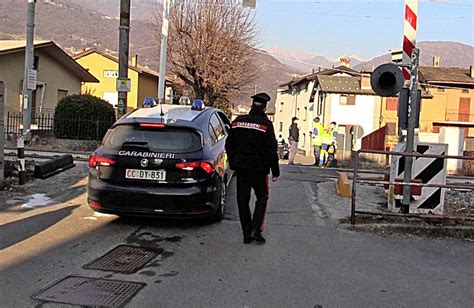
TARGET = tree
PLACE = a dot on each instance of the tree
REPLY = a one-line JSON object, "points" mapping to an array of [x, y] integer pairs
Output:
{"points": [[211, 47]]}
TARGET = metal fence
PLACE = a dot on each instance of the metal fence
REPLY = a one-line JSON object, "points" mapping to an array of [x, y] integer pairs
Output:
{"points": [[356, 179], [44, 125]]}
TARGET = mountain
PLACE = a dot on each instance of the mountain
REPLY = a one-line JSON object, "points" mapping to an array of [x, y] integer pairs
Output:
{"points": [[306, 62], [452, 54], [74, 25]]}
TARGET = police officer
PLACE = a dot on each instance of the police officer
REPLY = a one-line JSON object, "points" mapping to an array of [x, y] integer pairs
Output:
{"points": [[252, 152]]}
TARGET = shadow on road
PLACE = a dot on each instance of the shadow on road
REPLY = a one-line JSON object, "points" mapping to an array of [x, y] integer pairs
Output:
{"points": [[20, 230]]}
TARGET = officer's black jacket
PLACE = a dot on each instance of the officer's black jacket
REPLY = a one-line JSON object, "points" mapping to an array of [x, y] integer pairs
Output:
{"points": [[251, 145]]}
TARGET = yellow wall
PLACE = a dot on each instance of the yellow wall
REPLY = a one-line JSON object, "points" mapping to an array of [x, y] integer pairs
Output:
{"points": [[444, 106], [148, 86], [55, 76], [97, 64]]}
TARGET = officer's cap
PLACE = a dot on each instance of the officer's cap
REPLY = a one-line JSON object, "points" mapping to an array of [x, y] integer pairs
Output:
{"points": [[261, 99]]}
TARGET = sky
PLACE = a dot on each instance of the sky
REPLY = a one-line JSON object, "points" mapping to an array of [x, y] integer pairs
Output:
{"points": [[314, 27]]}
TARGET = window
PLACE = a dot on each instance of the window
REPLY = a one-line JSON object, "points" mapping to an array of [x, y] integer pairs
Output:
{"points": [[304, 138], [343, 100], [465, 91], [305, 116], [36, 63], [217, 128], [280, 127], [281, 106], [391, 128], [392, 103], [163, 140], [347, 100], [298, 113], [440, 90], [61, 94], [351, 100]]}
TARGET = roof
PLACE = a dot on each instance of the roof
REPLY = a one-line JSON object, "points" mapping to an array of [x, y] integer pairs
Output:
{"points": [[446, 75], [343, 85], [326, 72], [138, 68], [52, 50]]}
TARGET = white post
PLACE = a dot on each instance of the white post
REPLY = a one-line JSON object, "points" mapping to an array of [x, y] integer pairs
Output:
{"points": [[163, 52]]}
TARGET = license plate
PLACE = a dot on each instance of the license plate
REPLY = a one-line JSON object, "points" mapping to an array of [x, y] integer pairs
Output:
{"points": [[152, 175]]}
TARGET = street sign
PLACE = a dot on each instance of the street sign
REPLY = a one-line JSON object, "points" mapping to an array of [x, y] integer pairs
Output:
{"points": [[124, 85], [32, 77], [249, 3]]}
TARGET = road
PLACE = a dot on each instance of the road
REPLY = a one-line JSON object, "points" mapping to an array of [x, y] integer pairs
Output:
{"points": [[308, 260]]}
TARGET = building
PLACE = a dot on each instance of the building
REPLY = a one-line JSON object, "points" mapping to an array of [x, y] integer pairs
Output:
{"points": [[340, 94], [448, 98], [58, 75], [144, 82]]}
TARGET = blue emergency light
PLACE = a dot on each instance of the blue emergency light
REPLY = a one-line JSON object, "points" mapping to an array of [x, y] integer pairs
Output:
{"points": [[149, 102], [198, 104]]}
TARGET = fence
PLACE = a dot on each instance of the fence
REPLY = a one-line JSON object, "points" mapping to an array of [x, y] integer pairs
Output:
{"points": [[45, 126], [412, 184], [375, 140]]}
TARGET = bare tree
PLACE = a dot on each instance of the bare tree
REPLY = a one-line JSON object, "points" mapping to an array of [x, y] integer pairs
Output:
{"points": [[211, 47]]}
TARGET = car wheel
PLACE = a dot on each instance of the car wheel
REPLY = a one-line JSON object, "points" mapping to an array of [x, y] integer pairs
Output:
{"points": [[219, 215]]}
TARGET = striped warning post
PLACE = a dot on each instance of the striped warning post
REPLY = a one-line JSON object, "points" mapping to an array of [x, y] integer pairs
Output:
{"points": [[425, 170], [409, 34]]}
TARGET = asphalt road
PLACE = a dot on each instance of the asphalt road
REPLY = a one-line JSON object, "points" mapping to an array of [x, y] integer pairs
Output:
{"points": [[308, 261]]}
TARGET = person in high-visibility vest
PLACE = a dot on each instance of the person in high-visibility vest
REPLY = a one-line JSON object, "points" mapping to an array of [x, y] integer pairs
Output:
{"points": [[317, 135], [328, 149]]}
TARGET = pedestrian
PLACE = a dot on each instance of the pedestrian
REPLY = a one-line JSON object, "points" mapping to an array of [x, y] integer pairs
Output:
{"points": [[252, 152], [293, 139], [317, 136], [329, 145]]}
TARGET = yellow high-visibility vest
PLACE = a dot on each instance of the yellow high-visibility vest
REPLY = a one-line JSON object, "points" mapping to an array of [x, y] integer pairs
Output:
{"points": [[318, 132]]}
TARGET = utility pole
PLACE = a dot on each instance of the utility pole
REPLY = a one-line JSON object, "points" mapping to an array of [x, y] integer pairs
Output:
{"points": [[163, 51], [413, 109], [123, 83], [2, 132], [29, 84]]}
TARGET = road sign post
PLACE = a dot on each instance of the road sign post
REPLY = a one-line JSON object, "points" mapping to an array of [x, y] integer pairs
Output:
{"points": [[123, 54]]}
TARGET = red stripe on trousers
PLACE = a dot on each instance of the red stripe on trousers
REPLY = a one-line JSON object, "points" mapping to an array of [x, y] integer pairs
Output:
{"points": [[410, 16], [265, 211]]}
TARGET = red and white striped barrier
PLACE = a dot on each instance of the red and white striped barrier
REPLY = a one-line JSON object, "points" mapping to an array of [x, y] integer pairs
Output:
{"points": [[409, 34]]}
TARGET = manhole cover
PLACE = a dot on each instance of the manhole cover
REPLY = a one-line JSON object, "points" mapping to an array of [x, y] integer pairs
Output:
{"points": [[124, 259], [85, 291]]}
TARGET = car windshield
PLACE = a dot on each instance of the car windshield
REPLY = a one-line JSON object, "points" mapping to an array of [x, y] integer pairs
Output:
{"points": [[162, 140]]}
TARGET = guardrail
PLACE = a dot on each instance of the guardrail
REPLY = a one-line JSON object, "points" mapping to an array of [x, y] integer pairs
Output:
{"points": [[356, 180]]}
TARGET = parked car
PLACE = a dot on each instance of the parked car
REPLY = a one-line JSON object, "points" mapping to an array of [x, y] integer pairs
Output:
{"points": [[170, 164]]}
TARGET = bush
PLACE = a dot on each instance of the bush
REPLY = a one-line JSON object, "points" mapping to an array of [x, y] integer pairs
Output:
{"points": [[84, 117]]}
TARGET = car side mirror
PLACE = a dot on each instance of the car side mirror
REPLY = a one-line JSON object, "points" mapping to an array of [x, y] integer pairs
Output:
{"points": [[227, 128]]}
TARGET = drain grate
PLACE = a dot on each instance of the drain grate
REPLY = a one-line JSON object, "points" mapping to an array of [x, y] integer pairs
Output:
{"points": [[124, 259], [85, 291]]}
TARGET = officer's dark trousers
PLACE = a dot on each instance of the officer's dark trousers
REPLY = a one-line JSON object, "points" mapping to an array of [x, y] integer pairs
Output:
{"points": [[245, 183]]}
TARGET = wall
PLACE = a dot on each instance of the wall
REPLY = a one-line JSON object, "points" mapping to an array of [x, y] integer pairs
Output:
{"points": [[299, 106], [364, 113], [148, 86], [444, 106], [97, 64], [55, 76]]}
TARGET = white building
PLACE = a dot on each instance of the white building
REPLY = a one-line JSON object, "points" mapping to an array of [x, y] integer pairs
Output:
{"points": [[341, 94]]}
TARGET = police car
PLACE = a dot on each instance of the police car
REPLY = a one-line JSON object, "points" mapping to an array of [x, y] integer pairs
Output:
{"points": [[162, 162]]}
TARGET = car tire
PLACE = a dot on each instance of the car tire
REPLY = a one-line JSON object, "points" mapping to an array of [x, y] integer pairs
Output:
{"points": [[219, 214]]}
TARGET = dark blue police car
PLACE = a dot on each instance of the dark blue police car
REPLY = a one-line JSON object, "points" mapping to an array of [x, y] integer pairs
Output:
{"points": [[170, 163]]}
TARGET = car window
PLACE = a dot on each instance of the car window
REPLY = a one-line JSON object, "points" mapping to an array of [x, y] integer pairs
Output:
{"points": [[218, 127], [224, 121], [162, 140]]}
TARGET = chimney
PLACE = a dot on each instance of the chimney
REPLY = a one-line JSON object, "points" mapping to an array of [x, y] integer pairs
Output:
{"points": [[135, 60], [436, 61], [365, 82], [471, 71], [345, 62]]}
